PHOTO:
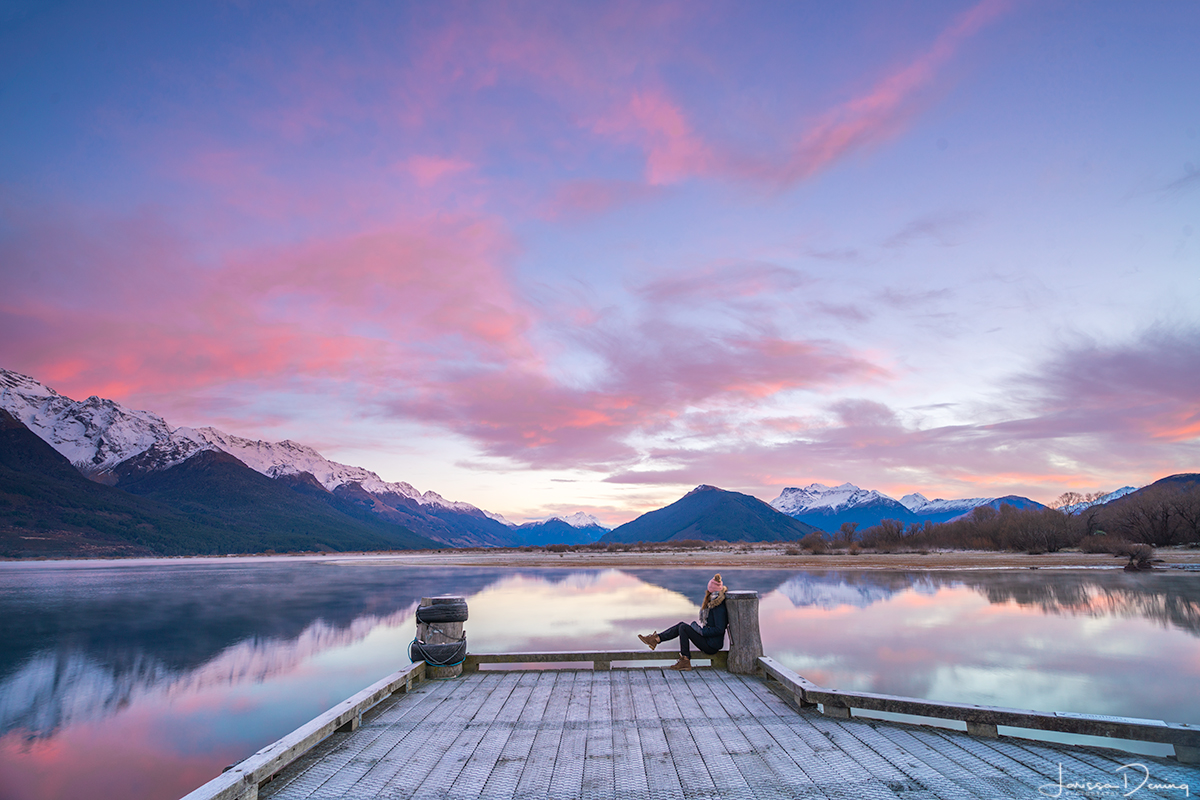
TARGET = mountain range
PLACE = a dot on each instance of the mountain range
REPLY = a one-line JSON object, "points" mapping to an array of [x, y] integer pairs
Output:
{"points": [[207, 481], [129, 483], [830, 507], [712, 514]]}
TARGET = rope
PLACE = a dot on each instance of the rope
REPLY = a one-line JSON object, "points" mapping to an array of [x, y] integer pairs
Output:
{"points": [[433, 662]]}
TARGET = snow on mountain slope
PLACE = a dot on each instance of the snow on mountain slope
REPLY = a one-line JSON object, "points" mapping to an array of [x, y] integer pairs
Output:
{"points": [[499, 518], [918, 504], [291, 458], [1077, 507], [579, 519], [96, 435], [819, 498]]}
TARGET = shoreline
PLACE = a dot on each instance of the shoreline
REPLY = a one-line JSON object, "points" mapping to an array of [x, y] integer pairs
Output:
{"points": [[756, 556], [1166, 560]]}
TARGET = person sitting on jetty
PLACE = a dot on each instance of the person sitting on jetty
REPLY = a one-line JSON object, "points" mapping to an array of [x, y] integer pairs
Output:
{"points": [[708, 634]]}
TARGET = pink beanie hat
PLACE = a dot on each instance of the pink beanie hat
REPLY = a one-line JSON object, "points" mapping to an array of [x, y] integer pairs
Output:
{"points": [[715, 585]]}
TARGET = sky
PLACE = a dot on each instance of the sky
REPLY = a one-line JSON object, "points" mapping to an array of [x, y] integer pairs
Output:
{"points": [[548, 257]]}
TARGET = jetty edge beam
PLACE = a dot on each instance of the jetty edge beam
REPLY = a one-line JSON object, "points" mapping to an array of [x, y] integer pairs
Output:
{"points": [[600, 659], [241, 782], [983, 720]]}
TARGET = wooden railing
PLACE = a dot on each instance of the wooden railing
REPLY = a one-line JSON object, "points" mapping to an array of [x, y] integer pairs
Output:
{"points": [[242, 781], [983, 720]]}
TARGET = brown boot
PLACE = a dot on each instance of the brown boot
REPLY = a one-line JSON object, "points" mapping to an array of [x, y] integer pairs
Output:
{"points": [[683, 664], [650, 641]]}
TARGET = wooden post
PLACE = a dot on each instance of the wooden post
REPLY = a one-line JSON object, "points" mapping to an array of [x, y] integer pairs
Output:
{"points": [[745, 641], [441, 633]]}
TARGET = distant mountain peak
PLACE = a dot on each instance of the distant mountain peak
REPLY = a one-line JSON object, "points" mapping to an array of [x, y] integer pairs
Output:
{"points": [[1106, 498], [579, 519], [709, 513], [499, 518], [819, 497], [919, 504]]}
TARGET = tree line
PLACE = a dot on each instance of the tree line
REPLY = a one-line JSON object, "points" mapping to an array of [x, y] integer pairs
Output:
{"points": [[1165, 513]]}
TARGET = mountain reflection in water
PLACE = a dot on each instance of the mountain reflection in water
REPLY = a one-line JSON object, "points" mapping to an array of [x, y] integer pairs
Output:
{"points": [[188, 666]]}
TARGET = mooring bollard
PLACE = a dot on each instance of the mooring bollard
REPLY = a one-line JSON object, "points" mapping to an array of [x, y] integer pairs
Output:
{"points": [[441, 642], [745, 641]]}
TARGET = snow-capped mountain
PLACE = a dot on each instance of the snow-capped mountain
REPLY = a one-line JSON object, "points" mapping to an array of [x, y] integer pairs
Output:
{"points": [[918, 504], [829, 507], [110, 444], [94, 434], [818, 497], [499, 518], [580, 519], [577, 528], [276, 459], [1077, 507]]}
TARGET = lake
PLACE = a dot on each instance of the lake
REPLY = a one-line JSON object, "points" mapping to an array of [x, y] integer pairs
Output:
{"points": [[142, 679]]}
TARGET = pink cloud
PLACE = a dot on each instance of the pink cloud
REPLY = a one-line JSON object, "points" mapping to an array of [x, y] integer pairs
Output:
{"points": [[428, 170], [586, 198], [879, 114], [674, 151], [137, 314], [592, 78], [1091, 418], [653, 374], [723, 281]]}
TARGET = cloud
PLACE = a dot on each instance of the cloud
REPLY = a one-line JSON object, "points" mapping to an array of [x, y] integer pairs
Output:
{"points": [[657, 125], [428, 170], [883, 111], [1089, 417], [941, 229], [652, 375], [842, 311], [587, 198], [1140, 391], [122, 304], [724, 281], [1187, 182], [420, 320]]}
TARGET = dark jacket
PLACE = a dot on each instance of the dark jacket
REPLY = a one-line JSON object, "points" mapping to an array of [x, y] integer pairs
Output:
{"points": [[714, 627]]}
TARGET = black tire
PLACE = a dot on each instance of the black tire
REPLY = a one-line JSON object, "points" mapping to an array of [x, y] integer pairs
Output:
{"points": [[438, 655], [455, 611]]}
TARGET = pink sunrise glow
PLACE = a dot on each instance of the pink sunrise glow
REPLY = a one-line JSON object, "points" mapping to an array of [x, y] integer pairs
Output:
{"points": [[589, 256]]}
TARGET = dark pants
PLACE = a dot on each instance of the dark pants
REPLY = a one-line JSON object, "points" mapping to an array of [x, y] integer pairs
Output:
{"points": [[688, 635]]}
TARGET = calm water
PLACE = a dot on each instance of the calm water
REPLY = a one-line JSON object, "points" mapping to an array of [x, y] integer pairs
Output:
{"points": [[143, 679]]}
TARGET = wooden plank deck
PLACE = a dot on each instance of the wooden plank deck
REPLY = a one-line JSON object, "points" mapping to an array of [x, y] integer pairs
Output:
{"points": [[653, 733]]}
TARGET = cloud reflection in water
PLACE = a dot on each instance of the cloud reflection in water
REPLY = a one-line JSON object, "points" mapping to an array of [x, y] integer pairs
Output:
{"points": [[123, 681]]}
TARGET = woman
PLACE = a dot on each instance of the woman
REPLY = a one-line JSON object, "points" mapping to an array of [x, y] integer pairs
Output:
{"points": [[710, 638]]}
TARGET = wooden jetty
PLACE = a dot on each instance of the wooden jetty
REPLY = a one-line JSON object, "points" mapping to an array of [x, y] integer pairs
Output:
{"points": [[737, 727]]}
